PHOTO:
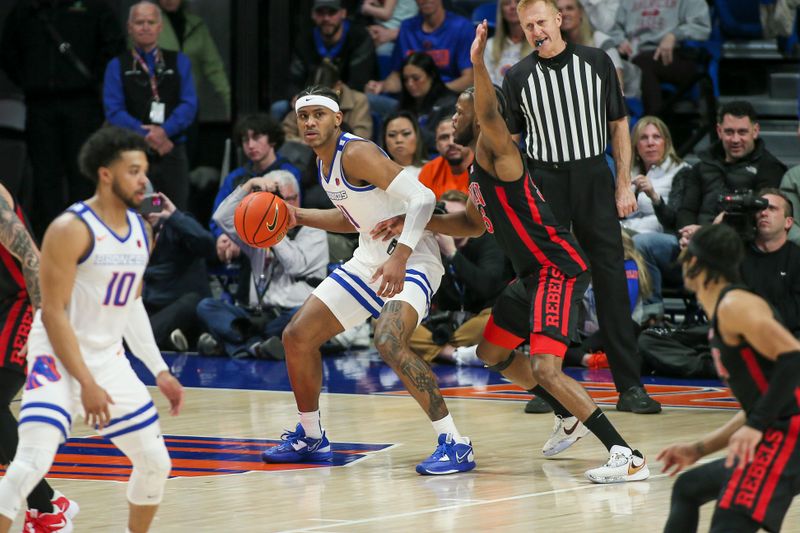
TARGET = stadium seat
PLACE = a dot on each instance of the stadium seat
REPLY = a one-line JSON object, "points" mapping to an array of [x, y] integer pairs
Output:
{"points": [[739, 19]]}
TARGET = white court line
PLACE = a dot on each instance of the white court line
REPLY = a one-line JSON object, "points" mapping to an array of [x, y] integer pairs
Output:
{"points": [[454, 507]]}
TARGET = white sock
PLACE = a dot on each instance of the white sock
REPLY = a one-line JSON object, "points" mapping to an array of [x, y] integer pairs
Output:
{"points": [[311, 424], [446, 425]]}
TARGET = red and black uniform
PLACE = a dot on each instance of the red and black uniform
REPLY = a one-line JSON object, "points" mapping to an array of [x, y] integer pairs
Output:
{"points": [[758, 495], [15, 308], [552, 270]]}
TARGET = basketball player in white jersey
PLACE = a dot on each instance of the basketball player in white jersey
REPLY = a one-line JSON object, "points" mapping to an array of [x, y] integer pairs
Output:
{"points": [[93, 259], [393, 284]]}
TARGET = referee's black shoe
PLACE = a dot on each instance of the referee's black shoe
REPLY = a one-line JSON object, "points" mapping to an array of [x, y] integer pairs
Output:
{"points": [[637, 401], [537, 405]]}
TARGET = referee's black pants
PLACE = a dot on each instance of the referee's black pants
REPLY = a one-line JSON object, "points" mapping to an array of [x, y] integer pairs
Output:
{"points": [[581, 196]]}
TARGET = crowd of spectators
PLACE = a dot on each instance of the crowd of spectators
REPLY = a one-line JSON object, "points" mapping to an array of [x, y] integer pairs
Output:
{"points": [[397, 67]]}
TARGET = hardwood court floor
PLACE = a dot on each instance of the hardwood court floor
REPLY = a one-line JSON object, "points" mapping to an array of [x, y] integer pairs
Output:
{"points": [[513, 488]]}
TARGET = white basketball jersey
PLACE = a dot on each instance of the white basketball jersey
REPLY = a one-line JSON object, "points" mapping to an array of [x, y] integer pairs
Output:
{"points": [[106, 283], [364, 207]]}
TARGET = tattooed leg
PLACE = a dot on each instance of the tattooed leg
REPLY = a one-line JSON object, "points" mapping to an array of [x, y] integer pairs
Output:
{"points": [[392, 333]]}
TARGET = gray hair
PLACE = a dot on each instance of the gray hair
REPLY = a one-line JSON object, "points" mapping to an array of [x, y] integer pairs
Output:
{"points": [[144, 3], [284, 179]]}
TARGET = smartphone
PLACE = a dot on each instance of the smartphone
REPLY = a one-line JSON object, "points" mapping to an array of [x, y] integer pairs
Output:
{"points": [[151, 204]]}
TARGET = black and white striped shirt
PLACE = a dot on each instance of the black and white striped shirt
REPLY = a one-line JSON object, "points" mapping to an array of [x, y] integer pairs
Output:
{"points": [[563, 104]]}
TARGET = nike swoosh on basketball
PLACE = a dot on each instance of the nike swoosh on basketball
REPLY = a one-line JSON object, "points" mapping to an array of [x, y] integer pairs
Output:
{"points": [[571, 430], [271, 226]]}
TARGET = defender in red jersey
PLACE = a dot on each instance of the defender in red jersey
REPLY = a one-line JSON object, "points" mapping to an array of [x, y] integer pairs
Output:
{"points": [[760, 360], [541, 304]]}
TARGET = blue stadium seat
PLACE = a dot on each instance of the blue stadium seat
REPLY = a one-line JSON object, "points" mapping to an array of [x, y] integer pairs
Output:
{"points": [[486, 11], [739, 19]]}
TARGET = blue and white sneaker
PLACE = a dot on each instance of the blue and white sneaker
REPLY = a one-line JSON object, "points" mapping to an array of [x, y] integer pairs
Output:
{"points": [[297, 448], [450, 457]]}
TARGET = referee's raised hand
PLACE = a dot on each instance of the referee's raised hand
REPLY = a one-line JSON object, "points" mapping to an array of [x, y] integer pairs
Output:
{"points": [[479, 44]]}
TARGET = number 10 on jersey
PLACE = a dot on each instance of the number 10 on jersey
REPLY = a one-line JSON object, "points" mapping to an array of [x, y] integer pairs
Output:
{"points": [[119, 288]]}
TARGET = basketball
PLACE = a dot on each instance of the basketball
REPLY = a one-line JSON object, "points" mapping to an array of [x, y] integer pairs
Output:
{"points": [[261, 219]]}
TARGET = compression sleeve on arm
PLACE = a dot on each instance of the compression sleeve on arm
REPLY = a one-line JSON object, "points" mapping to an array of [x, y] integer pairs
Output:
{"points": [[139, 336], [781, 390], [421, 202]]}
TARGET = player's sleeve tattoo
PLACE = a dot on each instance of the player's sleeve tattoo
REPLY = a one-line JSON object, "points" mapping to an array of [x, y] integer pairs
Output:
{"points": [[15, 237]]}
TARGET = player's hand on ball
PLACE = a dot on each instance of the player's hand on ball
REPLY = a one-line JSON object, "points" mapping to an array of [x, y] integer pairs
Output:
{"points": [[95, 402], [171, 388], [388, 229], [677, 457]]}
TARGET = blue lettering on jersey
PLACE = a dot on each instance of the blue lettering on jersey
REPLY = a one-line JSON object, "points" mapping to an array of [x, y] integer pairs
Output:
{"points": [[44, 367]]}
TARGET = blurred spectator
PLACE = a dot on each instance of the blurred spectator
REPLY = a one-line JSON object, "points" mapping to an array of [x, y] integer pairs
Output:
{"points": [[283, 276], [650, 33], [176, 278], [739, 161], [472, 280], [443, 35], [402, 140], [602, 13], [261, 138], [186, 32], [387, 16], [425, 95], [151, 92], [352, 103], [771, 266], [348, 45], [449, 170], [508, 45], [655, 165], [576, 28], [56, 54], [790, 186]]}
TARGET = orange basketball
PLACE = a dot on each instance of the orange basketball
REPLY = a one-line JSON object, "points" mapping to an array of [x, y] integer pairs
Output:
{"points": [[261, 219]]}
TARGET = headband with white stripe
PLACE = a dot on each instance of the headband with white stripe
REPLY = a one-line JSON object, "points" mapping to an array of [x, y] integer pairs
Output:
{"points": [[316, 99]]}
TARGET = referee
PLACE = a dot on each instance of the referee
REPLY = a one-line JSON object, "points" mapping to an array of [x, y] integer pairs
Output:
{"points": [[567, 100]]}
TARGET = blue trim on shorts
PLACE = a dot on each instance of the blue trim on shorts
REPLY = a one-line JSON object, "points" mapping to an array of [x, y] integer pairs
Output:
{"points": [[50, 406], [338, 279], [424, 291], [129, 415], [131, 429], [360, 282], [44, 420], [423, 276]]}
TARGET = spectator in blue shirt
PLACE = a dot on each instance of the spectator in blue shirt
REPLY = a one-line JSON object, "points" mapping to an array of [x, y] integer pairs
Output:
{"points": [[443, 35], [261, 137], [151, 91]]}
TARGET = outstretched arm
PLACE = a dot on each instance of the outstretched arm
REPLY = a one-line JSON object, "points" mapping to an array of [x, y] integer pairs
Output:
{"points": [[496, 148]]}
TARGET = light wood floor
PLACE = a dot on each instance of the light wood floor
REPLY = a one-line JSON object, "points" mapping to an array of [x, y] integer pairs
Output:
{"points": [[513, 489]]}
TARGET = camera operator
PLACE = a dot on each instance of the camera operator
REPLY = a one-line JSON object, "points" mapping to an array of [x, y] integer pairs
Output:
{"points": [[283, 276], [474, 276], [739, 160]]}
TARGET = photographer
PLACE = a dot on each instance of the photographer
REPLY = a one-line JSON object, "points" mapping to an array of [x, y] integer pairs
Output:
{"points": [[282, 278], [176, 278], [738, 161], [474, 276]]}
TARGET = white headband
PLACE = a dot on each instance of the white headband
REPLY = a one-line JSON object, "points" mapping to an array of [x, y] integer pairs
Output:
{"points": [[316, 99]]}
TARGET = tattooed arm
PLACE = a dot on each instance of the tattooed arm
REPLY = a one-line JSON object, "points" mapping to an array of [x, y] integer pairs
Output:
{"points": [[16, 239]]}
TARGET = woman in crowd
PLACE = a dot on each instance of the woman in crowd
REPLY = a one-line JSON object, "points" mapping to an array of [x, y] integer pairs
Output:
{"points": [[425, 94], [402, 140], [508, 45], [655, 165]]}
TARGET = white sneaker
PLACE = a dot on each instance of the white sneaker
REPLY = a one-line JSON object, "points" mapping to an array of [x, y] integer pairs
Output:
{"points": [[623, 465], [566, 432], [467, 356]]}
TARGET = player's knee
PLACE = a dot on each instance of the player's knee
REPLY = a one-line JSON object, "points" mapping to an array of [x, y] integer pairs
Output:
{"points": [[30, 465], [151, 468], [494, 361], [546, 375], [685, 488], [293, 338], [388, 345]]}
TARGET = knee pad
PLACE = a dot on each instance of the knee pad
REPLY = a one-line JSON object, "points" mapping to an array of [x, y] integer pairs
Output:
{"points": [[30, 465], [499, 367], [151, 467]]}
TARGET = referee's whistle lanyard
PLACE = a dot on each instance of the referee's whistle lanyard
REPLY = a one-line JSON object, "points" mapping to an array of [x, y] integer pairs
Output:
{"points": [[159, 60]]}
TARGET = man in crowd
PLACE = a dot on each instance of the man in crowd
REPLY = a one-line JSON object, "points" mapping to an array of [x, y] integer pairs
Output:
{"points": [[448, 171]]}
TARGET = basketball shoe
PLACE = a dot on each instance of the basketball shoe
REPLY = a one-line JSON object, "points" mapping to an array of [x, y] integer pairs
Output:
{"points": [[297, 448], [449, 457], [566, 432], [623, 465], [36, 522], [70, 508]]}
